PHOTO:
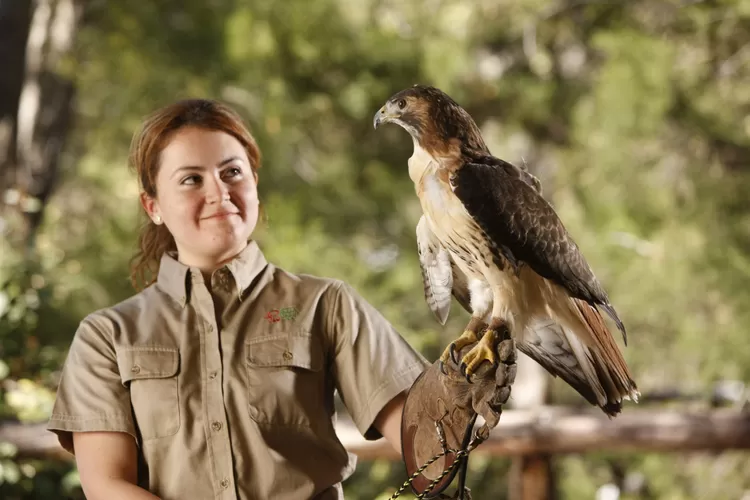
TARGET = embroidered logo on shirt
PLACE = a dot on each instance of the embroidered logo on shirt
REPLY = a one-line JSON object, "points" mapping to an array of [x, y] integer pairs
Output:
{"points": [[289, 313], [276, 315]]}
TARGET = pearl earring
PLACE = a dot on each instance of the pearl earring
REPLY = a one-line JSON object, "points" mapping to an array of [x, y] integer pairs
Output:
{"points": [[157, 219]]}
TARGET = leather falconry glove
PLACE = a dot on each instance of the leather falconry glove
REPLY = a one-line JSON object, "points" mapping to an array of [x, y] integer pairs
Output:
{"points": [[439, 414]]}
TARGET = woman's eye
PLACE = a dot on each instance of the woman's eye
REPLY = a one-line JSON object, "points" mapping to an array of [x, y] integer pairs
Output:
{"points": [[233, 172], [191, 179]]}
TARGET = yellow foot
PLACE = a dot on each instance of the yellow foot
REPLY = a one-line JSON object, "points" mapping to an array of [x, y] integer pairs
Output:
{"points": [[483, 351], [466, 338]]}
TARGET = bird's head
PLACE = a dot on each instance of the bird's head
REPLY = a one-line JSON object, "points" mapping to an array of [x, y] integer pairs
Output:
{"points": [[434, 120]]}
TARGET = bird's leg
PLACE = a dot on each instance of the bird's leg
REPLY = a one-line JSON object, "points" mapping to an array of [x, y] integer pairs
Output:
{"points": [[468, 337], [473, 332], [486, 348]]}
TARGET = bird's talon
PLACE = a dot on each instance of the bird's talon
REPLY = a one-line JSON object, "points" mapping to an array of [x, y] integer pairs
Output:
{"points": [[454, 358], [441, 366]]}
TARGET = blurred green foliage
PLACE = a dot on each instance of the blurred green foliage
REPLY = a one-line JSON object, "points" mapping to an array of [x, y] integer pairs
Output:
{"points": [[635, 115]]}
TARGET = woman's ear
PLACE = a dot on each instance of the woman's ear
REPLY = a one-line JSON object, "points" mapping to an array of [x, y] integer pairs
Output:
{"points": [[151, 206]]}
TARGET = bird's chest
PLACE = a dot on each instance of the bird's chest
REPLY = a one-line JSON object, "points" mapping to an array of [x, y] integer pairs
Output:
{"points": [[449, 220], [457, 231], [443, 209]]}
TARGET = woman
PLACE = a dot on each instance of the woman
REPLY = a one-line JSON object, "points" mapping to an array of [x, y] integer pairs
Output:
{"points": [[217, 379]]}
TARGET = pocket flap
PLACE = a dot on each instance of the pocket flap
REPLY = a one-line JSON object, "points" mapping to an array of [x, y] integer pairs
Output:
{"points": [[147, 362], [285, 350]]}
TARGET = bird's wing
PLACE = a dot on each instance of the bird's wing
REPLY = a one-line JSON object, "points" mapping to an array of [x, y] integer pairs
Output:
{"points": [[563, 355], [525, 228], [437, 278], [461, 287], [528, 178], [441, 276], [546, 343]]}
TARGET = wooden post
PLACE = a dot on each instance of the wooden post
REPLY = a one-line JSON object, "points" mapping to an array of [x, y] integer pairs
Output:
{"points": [[532, 477]]}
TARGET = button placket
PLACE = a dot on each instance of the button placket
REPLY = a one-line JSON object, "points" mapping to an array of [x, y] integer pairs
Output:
{"points": [[214, 408]]}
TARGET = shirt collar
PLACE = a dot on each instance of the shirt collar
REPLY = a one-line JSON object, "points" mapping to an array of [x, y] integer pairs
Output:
{"points": [[175, 277]]}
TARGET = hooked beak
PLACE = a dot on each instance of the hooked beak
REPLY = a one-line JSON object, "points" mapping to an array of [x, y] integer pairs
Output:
{"points": [[381, 117]]}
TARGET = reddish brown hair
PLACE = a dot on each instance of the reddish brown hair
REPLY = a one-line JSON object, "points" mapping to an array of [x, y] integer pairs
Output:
{"points": [[145, 154]]}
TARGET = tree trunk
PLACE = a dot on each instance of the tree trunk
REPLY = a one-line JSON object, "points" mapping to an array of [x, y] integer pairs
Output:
{"points": [[36, 107]]}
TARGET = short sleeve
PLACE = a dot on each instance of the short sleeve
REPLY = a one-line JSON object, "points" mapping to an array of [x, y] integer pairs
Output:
{"points": [[373, 363], [91, 395]]}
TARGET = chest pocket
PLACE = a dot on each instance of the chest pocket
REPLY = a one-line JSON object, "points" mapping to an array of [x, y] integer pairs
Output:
{"points": [[151, 375], [285, 379]]}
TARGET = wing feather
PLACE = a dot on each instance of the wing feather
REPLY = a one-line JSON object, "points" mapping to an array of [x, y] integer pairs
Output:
{"points": [[524, 226], [461, 287], [597, 375], [545, 342], [441, 276], [437, 275]]}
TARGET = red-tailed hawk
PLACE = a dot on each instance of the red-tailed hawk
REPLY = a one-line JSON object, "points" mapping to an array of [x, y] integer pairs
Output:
{"points": [[489, 238]]}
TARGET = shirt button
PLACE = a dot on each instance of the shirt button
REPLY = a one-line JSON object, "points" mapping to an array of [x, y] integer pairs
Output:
{"points": [[287, 355], [212, 375], [135, 369], [224, 483], [253, 412], [216, 426]]}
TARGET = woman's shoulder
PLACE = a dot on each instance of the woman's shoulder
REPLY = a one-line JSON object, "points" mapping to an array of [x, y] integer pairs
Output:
{"points": [[107, 319]]}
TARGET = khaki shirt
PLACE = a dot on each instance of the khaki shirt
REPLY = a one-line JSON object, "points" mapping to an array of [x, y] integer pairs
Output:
{"points": [[230, 394]]}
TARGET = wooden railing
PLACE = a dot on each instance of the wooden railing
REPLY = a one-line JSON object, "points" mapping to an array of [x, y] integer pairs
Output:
{"points": [[559, 430], [531, 437], [522, 432]]}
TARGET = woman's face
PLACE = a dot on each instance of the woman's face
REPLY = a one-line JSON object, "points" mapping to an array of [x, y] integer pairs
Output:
{"points": [[206, 194]]}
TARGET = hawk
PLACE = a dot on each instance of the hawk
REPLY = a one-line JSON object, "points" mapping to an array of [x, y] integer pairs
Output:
{"points": [[489, 238]]}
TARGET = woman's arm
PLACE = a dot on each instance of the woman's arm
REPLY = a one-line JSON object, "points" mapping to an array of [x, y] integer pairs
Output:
{"points": [[388, 421], [107, 464]]}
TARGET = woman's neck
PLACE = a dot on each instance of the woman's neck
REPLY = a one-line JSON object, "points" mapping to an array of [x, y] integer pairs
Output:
{"points": [[207, 264]]}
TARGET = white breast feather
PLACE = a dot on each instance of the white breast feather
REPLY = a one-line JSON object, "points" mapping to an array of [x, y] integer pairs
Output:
{"points": [[436, 195], [420, 163], [480, 296]]}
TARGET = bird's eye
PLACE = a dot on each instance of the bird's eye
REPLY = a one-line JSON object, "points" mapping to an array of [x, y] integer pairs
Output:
{"points": [[401, 104]]}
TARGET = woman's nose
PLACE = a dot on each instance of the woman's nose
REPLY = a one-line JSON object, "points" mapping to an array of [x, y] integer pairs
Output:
{"points": [[217, 191]]}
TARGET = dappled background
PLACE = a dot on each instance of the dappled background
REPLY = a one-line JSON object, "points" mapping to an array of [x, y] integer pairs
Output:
{"points": [[635, 116]]}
